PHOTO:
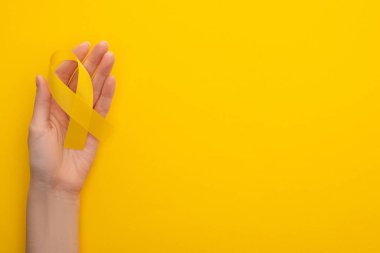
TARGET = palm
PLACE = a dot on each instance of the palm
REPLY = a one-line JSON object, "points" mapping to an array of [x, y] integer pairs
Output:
{"points": [[64, 167]]}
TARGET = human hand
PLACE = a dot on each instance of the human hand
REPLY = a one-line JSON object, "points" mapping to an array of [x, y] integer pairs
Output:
{"points": [[53, 166]]}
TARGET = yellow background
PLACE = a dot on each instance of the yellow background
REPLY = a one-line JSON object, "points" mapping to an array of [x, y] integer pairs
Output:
{"points": [[240, 126]]}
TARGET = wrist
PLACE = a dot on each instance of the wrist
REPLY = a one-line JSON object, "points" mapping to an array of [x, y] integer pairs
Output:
{"points": [[52, 219], [40, 188]]}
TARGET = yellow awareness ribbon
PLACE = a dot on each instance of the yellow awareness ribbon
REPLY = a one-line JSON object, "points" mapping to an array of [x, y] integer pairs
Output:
{"points": [[78, 105]]}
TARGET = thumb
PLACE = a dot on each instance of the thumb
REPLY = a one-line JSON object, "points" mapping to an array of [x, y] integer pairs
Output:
{"points": [[42, 103]]}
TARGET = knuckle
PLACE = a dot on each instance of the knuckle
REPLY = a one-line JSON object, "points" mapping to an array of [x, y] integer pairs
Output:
{"points": [[35, 129]]}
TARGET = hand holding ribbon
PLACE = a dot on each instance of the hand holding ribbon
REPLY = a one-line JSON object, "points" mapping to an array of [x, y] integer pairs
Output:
{"points": [[74, 102]]}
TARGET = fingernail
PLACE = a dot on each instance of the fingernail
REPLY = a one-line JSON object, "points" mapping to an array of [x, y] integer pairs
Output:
{"points": [[38, 79], [110, 54], [86, 43], [104, 43]]}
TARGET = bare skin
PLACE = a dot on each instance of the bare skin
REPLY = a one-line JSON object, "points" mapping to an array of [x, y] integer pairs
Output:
{"points": [[57, 174]]}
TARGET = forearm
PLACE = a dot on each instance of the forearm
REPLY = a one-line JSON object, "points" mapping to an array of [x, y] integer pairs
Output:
{"points": [[52, 220]]}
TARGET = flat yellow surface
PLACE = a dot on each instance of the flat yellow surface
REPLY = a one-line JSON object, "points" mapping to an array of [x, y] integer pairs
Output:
{"points": [[240, 126]]}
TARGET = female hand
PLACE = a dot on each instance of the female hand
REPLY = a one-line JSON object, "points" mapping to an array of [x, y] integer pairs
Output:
{"points": [[53, 166]]}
